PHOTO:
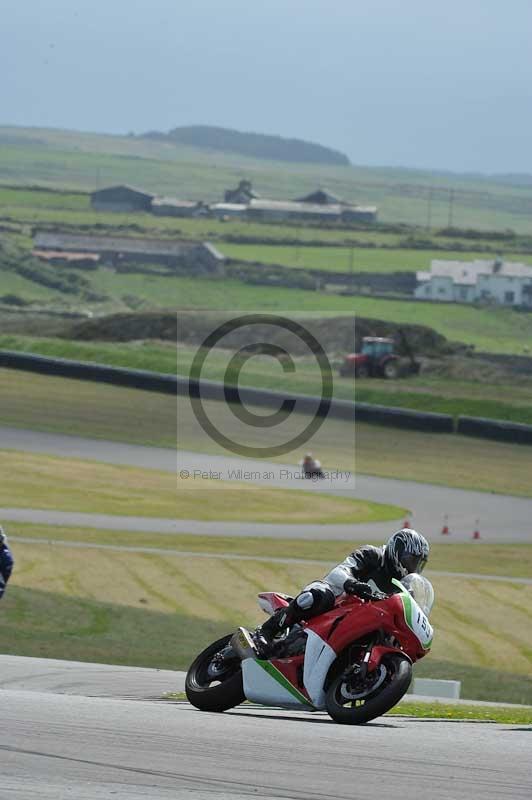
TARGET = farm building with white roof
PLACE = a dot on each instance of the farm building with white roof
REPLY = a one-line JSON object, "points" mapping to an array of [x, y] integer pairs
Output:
{"points": [[502, 282]]}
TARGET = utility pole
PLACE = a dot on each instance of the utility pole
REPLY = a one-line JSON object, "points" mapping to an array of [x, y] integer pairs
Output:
{"points": [[429, 208], [451, 209], [352, 268]]}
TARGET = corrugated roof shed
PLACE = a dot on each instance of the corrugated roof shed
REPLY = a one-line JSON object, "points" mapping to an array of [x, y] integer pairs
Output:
{"points": [[174, 202]]}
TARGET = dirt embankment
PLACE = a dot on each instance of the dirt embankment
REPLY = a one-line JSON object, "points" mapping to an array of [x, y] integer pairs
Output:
{"points": [[335, 334]]}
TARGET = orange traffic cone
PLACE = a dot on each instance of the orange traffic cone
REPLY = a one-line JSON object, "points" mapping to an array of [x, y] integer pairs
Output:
{"points": [[406, 523], [476, 532], [445, 530]]}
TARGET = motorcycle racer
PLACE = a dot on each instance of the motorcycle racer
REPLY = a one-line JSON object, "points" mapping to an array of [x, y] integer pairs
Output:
{"points": [[367, 573], [6, 562], [311, 467]]}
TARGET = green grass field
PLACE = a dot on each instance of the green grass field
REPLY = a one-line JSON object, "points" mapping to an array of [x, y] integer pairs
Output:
{"points": [[153, 610], [81, 160], [343, 259], [11, 283]]}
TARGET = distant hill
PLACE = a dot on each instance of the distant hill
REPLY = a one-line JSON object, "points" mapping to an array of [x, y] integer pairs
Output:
{"points": [[254, 145]]}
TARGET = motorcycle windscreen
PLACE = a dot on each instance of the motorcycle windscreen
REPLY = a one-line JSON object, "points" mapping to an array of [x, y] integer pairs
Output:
{"points": [[421, 590]]}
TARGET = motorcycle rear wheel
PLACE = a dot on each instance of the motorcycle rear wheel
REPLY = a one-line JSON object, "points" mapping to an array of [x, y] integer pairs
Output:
{"points": [[347, 712], [210, 691]]}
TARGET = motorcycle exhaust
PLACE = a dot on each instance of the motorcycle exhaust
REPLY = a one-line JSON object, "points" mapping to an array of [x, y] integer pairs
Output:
{"points": [[242, 644]]}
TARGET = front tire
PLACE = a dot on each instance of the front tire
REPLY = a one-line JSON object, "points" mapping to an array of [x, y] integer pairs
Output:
{"points": [[211, 688], [390, 370], [375, 702]]}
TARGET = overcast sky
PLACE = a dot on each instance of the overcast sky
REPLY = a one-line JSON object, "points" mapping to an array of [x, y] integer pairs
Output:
{"points": [[390, 82]]}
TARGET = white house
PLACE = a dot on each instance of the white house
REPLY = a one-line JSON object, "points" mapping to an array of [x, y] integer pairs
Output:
{"points": [[502, 282]]}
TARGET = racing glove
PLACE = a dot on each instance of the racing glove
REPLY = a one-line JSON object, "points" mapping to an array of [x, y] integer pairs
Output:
{"points": [[359, 588]]}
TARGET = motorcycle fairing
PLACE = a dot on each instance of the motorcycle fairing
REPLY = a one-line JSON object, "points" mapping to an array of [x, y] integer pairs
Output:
{"points": [[417, 621], [318, 658], [274, 682], [264, 683], [337, 627], [272, 601]]}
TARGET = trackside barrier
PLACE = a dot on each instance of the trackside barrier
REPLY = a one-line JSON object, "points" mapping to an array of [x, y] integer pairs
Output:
{"points": [[431, 687], [211, 390], [495, 429], [64, 368], [168, 384], [405, 418]]}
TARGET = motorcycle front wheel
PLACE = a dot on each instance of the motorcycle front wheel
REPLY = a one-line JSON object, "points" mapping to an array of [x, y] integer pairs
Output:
{"points": [[213, 684], [352, 703]]}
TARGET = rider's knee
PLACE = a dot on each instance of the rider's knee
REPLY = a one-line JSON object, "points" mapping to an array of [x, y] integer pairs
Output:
{"points": [[305, 600]]}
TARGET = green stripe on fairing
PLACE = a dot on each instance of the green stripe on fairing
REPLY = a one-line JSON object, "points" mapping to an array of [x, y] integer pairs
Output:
{"points": [[280, 678], [407, 608]]}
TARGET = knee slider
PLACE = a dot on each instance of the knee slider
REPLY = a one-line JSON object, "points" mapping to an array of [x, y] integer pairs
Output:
{"points": [[305, 600]]}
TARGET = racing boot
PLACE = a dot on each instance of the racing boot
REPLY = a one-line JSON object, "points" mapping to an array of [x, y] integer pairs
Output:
{"points": [[264, 635]]}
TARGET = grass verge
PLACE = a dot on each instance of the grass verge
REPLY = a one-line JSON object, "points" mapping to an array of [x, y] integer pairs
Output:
{"points": [[507, 716], [65, 484], [434, 710], [43, 624], [486, 683], [345, 259], [510, 560]]}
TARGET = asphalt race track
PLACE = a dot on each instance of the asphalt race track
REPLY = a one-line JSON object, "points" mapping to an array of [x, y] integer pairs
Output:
{"points": [[501, 518], [55, 746], [92, 731]]}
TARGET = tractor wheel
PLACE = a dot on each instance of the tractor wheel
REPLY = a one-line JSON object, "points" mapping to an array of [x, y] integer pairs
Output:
{"points": [[362, 371], [390, 369]]}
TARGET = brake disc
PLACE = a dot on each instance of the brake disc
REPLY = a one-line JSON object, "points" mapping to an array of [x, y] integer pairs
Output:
{"points": [[349, 694], [216, 668]]}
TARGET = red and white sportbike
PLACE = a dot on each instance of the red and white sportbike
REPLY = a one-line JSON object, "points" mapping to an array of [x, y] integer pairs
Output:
{"points": [[355, 661]]}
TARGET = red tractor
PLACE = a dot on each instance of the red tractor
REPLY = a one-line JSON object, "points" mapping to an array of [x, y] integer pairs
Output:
{"points": [[378, 359]]}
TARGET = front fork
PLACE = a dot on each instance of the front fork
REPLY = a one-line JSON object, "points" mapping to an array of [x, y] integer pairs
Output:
{"points": [[373, 656]]}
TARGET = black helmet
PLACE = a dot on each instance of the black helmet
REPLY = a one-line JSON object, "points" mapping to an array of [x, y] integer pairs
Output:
{"points": [[407, 551]]}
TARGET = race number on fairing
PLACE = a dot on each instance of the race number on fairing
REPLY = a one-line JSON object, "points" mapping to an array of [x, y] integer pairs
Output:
{"points": [[421, 626]]}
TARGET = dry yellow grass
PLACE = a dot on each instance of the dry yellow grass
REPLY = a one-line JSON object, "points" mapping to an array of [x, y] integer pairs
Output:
{"points": [[477, 623], [510, 560], [30, 480], [84, 408]]}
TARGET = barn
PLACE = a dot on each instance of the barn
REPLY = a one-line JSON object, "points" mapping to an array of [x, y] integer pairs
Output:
{"points": [[178, 254], [121, 198]]}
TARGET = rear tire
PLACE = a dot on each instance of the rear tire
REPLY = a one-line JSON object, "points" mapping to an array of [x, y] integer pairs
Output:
{"points": [[217, 692], [399, 675]]}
